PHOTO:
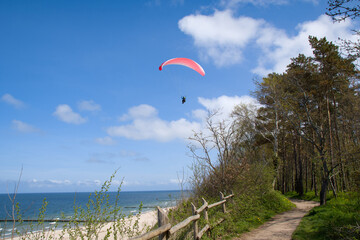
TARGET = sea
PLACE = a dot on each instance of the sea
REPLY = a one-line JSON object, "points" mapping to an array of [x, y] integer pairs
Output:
{"points": [[61, 205]]}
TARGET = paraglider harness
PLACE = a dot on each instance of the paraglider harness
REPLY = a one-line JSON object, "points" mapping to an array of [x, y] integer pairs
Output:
{"points": [[183, 99]]}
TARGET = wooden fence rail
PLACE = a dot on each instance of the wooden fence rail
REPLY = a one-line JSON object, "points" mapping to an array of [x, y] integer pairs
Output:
{"points": [[166, 230]]}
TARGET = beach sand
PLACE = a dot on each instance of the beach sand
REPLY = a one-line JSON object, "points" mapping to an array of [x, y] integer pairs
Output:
{"points": [[146, 221]]}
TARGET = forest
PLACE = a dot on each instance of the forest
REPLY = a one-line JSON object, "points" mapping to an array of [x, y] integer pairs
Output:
{"points": [[304, 131], [310, 118], [300, 138]]}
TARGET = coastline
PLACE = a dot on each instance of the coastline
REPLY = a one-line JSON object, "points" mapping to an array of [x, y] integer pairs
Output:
{"points": [[146, 221], [60, 207]]}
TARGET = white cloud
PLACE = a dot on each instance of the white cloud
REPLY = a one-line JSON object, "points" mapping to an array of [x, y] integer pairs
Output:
{"points": [[56, 185], [65, 182], [48, 183], [64, 113], [315, 2], [278, 47], [9, 99], [226, 104], [141, 111], [175, 181], [90, 106], [105, 141], [88, 183], [222, 37], [233, 3], [223, 106], [146, 125], [23, 127]]}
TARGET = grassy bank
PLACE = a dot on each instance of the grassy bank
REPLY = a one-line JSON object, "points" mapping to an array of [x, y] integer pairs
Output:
{"points": [[246, 212], [338, 219]]}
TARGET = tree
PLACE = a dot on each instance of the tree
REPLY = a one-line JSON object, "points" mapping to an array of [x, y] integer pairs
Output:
{"points": [[321, 79], [216, 165], [269, 117], [302, 108]]}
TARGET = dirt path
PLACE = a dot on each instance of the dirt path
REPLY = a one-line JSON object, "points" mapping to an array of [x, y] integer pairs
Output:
{"points": [[282, 225]]}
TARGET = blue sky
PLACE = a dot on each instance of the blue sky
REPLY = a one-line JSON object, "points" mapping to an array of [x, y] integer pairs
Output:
{"points": [[81, 94]]}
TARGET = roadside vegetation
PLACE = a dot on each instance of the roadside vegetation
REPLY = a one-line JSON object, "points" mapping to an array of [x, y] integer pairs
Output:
{"points": [[338, 219], [254, 203]]}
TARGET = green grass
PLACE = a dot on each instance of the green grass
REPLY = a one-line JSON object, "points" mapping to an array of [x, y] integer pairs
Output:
{"points": [[251, 212], [308, 196], [338, 219], [247, 212]]}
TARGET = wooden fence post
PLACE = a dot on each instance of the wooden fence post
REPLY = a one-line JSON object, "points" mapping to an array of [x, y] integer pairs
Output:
{"points": [[206, 216], [196, 229], [223, 205], [165, 230], [162, 220]]}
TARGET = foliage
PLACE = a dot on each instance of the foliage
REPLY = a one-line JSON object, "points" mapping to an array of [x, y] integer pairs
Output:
{"points": [[308, 196], [248, 211], [310, 122], [338, 219]]}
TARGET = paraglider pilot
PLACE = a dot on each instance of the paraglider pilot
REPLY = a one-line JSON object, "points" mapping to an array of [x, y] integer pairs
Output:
{"points": [[183, 100]]}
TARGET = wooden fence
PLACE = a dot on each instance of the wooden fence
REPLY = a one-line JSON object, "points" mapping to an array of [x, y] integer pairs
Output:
{"points": [[166, 230]]}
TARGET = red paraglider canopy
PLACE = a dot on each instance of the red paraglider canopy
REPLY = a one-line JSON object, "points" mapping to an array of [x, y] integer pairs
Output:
{"points": [[185, 62]]}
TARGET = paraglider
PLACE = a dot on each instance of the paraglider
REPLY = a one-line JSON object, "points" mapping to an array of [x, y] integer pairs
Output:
{"points": [[187, 63], [183, 100]]}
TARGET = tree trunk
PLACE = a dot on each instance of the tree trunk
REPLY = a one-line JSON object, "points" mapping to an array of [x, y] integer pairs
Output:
{"points": [[339, 150], [306, 173], [332, 162], [299, 188], [325, 179], [300, 175], [324, 185], [314, 179]]}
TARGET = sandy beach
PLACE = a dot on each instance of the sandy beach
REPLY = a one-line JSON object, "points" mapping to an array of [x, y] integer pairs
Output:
{"points": [[145, 221]]}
